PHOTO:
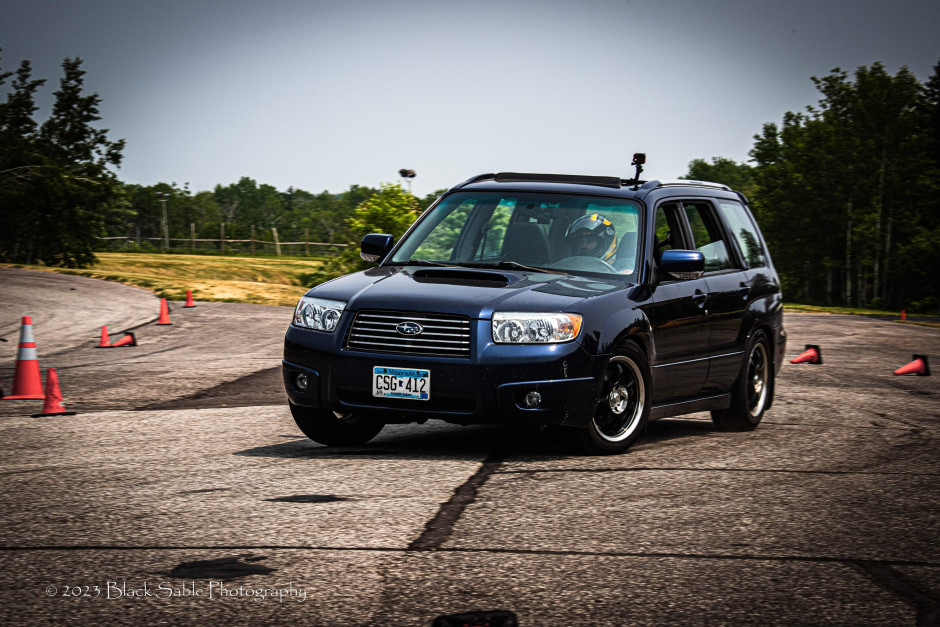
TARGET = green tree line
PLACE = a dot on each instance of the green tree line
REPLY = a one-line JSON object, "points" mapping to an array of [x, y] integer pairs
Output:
{"points": [[847, 192], [243, 207]]}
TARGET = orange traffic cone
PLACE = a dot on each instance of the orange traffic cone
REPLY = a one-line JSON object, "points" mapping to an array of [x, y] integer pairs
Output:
{"points": [[164, 313], [53, 405], [903, 315], [27, 381], [128, 340], [105, 340], [812, 355], [919, 366], [189, 299]]}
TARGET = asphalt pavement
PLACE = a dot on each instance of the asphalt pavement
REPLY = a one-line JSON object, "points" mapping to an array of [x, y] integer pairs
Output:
{"points": [[181, 492]]}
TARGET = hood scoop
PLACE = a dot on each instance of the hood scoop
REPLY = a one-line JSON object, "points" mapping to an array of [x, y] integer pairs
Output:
{"points": [[465, 276]]}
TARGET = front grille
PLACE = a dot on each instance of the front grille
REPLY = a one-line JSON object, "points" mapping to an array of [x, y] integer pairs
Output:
{"points": [[442, 335]]}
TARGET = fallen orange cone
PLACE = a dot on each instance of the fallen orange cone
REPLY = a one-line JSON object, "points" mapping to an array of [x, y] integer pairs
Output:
{"points": [[27, 380], [812, 355], [105, 341], [164, 313], [918, 366], [189, 299], [128, 340], [53, 405]]}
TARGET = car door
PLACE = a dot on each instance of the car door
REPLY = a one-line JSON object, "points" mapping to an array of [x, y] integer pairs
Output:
{"points": [[729, 289], [679, 317]]}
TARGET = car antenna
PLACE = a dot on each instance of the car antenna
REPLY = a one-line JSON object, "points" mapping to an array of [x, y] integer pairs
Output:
{"points": [[639, 158]]}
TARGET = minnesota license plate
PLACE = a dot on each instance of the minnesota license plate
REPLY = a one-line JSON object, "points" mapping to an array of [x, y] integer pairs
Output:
{"points": [[401, 383]]}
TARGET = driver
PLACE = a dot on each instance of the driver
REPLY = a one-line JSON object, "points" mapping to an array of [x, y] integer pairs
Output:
{"points": [[592, 235]]}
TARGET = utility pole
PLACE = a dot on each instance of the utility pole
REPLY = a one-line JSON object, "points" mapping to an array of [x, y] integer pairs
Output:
{"points": [[408, 175], [163, 196]]}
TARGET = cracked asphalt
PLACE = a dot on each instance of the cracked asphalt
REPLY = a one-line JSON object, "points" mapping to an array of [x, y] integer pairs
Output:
{"points": [[182, 492]]}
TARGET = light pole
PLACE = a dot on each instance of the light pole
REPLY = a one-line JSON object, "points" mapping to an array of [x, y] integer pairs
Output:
{"points": [[408, 175], [163, 196]]}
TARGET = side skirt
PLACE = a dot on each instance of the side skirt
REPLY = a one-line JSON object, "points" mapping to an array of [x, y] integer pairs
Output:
{"points": [[721, 401]]}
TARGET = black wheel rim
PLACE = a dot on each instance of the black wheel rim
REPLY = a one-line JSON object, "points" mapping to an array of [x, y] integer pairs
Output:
{"points": [[621, 401], [757, 379]]}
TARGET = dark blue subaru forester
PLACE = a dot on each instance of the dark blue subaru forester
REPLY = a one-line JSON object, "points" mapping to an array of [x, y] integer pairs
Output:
{"points": [[590, 303]]}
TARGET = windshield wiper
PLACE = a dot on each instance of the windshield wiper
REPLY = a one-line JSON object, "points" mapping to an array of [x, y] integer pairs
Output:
{"points": [[420, 262]]}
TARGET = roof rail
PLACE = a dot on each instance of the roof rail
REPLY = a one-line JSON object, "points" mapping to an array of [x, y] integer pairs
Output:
{"points": [[474, 179], [691, 183]]}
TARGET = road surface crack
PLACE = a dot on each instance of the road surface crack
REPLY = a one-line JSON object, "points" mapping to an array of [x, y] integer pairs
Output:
{"points": [[439, 528]]}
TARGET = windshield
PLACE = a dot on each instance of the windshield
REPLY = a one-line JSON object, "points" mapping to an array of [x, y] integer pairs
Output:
{"points": [[554, 232]]}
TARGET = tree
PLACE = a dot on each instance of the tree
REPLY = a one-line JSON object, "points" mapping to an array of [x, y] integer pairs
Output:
{"points": [[738, 176], [56, 183], [20, 160], [844, 189], [388, 210]]}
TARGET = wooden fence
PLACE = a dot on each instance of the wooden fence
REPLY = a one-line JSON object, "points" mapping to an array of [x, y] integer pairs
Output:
{"points": [[224, 245]]}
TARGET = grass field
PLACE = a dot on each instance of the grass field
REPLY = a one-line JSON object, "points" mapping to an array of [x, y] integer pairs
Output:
{"points": [[261, 280]]}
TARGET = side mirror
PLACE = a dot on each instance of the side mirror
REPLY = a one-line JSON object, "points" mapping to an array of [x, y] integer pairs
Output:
{"points": [[682, 264], [375, 247]]}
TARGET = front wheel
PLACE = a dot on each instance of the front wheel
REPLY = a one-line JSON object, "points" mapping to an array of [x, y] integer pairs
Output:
{"points": [[622, 407], [752, 392], [333, 428]]}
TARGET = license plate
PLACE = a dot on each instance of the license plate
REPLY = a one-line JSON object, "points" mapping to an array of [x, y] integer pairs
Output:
{"points": [[401, 383]]}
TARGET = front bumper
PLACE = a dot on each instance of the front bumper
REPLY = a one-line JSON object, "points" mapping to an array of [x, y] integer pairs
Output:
{"points": [[489, 387]]}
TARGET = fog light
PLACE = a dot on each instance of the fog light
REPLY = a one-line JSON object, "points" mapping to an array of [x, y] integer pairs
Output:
{"points": [[301, 382], [533, 399]]}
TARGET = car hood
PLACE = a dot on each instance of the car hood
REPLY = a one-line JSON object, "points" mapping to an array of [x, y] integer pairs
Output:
{"points": [[466, 291]]}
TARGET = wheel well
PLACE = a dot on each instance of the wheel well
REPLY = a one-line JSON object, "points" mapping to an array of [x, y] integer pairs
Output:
{"points": [[635, 337]]}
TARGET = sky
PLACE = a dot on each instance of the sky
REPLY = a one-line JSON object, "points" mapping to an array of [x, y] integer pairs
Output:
{"points": [[324, 95]]}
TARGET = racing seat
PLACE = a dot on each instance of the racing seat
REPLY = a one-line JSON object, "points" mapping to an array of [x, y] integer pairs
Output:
{"points": [[626, 252], [526, 243]]}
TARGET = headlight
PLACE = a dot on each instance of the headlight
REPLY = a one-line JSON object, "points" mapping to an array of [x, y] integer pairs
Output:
{"points": [[511, 327], [318, 313]]}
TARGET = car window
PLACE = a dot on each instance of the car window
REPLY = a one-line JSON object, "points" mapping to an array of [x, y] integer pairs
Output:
{"points": [[440, 242], [744, 231], [495, 229], [706, 236], [565, 232], [668, 234]]}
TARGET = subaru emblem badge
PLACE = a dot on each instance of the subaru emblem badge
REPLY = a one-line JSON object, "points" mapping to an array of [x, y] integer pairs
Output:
{"points": [[409, 328]]}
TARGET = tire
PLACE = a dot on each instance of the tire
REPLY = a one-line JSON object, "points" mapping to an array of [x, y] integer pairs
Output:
{"points": [[335, 429], [622, 408], [751, 394]]}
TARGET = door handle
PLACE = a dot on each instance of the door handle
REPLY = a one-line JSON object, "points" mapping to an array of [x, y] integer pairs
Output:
{"points": [[699, 298], [744, 290]]}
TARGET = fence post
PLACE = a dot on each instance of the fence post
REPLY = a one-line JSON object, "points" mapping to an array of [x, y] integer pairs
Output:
{"points": [[192, 237], [252, 239], [306, 241], [222, 236], [277, 244], [163, 242]]}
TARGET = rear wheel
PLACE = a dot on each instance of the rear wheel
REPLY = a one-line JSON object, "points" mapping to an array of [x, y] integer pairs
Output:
{"points": [[752, 392], [333, 428], [623, 404]]}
